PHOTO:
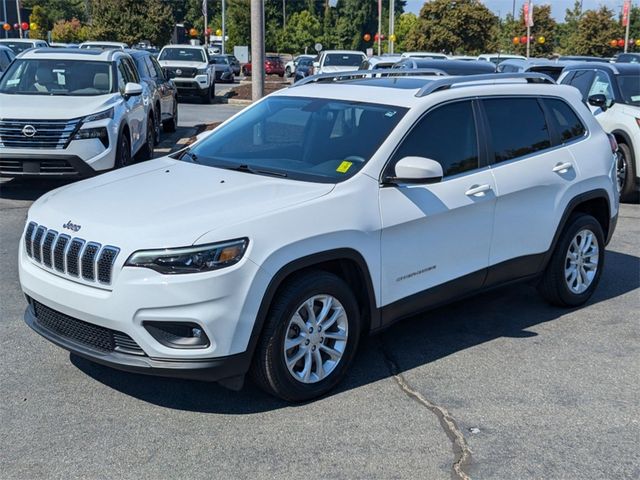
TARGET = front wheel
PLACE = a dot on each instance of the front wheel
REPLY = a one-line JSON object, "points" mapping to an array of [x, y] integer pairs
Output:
{"points": [[171, 124], [123, 152], [625, 170], [146, 152], [309, 339], [288, 72], [576, 264]]}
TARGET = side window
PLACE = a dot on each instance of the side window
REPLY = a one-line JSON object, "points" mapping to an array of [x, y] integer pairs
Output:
{"points": [[602, 85], [446, 135], [517, 127], [122, 76], [158, 69], [567, 123], [582, 81], [4, 61], [131, 71], [149, 66]]}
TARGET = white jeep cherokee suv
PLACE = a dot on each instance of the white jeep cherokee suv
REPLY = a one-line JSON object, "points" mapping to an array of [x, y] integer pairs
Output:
{"points": [[321, 213], [72, 113], [191, 69]]}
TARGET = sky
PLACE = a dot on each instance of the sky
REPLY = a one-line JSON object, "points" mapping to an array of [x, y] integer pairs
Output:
{"points": [[558, 7]]}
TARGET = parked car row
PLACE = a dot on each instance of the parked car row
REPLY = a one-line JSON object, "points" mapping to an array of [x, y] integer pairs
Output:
{"points": [[75, 112]]}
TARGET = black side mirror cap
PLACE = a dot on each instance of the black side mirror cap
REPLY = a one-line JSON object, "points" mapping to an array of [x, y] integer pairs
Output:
{"points": [[598, 100]]}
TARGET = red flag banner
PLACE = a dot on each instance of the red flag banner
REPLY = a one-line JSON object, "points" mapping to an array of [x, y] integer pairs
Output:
{"points": [[626, 6], [528, 14]]}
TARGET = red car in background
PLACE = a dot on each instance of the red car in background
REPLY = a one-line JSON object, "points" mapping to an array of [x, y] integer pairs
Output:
{"points": [[272, 66]]}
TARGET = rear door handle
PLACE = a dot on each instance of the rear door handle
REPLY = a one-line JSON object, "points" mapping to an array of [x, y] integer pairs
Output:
{"points": [[562, 167], [477, 190]]}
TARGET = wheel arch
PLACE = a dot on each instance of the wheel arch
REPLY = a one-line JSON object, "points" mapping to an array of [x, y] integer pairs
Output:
{"points": [[624, 137], [346, 263], [595, 203]]}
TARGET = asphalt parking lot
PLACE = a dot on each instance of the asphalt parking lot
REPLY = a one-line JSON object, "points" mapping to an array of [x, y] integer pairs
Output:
{"points": [[498, 386]]}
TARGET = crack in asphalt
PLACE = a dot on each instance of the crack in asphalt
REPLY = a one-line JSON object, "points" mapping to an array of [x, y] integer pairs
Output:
{"points": [[459, 443]]}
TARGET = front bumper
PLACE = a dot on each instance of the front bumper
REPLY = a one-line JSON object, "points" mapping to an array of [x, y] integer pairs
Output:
{"points": [[207, 369], [191, 86], [44, 165]]}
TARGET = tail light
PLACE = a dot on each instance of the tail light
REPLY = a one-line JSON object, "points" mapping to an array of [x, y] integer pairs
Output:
{"points": [[613, 142]]}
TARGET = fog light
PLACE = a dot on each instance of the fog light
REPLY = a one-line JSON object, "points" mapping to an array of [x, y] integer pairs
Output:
{"points": [[178, 334]]}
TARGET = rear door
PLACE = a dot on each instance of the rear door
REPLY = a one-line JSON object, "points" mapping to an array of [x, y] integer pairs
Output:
{"points": [[437, 233], [533, 169]]}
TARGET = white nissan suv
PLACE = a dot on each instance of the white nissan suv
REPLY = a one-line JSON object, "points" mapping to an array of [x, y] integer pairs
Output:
{"points": [[72, 113], [191, 69], [321, 213]]}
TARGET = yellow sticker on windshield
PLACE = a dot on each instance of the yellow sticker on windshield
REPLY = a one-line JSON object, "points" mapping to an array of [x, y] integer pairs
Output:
{"points": [[344, 167]]}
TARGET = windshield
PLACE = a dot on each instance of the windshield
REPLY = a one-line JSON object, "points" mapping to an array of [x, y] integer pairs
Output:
{"points": [[343, 60], [307, 139], [18, 47], [630, 89], [183, 54], [57, 77], [220, 60]]}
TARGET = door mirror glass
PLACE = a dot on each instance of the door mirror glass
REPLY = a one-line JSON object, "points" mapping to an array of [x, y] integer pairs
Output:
{"points": [[417, 170], [598, 100], [316, 64], [132, 90]]}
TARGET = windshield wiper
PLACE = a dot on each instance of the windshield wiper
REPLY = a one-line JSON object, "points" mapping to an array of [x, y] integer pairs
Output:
{"points": [[258, 171], [189, 154]]}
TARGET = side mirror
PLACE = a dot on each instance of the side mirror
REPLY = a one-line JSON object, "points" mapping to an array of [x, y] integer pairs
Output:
{"points": [[598, 100], [418, 170], [132, 90], [316, 64]]}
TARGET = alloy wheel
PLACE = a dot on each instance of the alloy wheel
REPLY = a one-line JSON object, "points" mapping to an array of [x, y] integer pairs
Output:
{"points": [[581, 262], [621, 171], [316, 339]]}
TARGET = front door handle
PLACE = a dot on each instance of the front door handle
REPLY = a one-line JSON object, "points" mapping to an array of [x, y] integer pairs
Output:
{"points": [[477, 190], [562, 167]]}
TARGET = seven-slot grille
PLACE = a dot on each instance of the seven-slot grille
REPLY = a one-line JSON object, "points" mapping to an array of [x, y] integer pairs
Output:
{"points": [[53, 134], [78, 331], [72, 256]]}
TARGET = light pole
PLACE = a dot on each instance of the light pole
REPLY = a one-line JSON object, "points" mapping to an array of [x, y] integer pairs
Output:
{"points": [[4, 8], [257, 49], [392, 23], [224, 28]]}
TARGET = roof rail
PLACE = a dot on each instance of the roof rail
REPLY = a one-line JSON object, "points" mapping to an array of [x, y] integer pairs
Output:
{"points": [[492, 78], [357, 74]]}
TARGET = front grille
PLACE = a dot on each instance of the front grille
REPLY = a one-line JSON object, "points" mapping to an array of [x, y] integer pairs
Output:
{"points": [[12, 166], [185, 72], [71, 256], [51, 134], [78, 331]]}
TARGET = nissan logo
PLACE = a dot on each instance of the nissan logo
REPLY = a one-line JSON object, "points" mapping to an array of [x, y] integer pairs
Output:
{"points": [[29, 130], [178, 72]]}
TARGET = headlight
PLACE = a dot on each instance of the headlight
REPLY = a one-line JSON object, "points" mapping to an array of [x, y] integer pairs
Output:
{"points": [[99, 116], [202, 71], [100, 133], [201, 258]]}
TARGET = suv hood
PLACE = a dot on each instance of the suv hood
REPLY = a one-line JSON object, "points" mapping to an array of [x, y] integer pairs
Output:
{"points": [[167, 203], [53, 107]]}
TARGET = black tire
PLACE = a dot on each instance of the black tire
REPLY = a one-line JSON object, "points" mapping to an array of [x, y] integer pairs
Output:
{"points": [[210, 95], [146, 152], [123, 152], [553, 285], [626, 164], [269, 370], [287, 72], [171, 124]]}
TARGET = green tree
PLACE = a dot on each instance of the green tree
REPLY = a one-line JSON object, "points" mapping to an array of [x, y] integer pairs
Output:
{"points": [[404, 24], [568, 29], [69, 31], [131, 21], [544, 26], [464, 26], [39, 18], [303, 31], [55, 10], [596, 29]]}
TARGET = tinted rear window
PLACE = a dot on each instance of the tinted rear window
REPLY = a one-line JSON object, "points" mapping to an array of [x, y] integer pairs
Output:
{"points": [[517, 127], [343, 60], [567, 122]]}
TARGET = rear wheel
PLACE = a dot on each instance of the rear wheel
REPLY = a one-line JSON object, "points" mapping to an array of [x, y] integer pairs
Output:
{"points": [[309, 339], [576, 264], [287, 71]]}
